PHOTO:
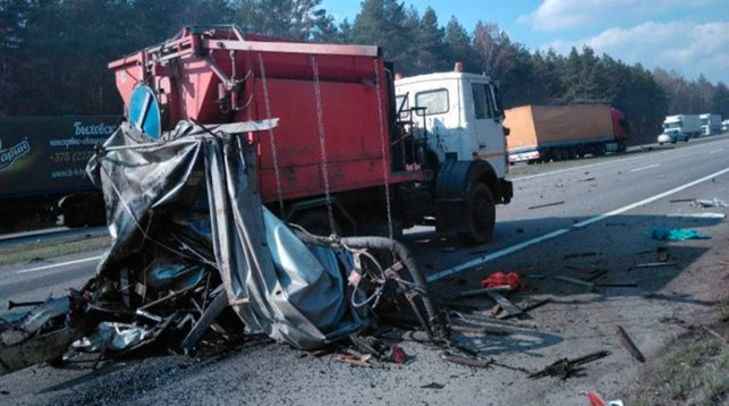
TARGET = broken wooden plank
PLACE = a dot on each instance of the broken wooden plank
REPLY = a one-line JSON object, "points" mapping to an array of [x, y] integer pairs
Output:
{"points": [[576, 281], [654, 265], [541, 206], [629, 345], [580, 255], [510, 308], [616, 285], [530, 307], [483, 291]]}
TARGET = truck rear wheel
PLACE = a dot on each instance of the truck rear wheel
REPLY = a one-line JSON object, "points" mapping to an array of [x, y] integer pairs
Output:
{"points": [[480, 214]]}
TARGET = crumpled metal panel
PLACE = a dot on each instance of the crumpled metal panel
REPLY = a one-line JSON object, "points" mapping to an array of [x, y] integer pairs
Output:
{"points": [[277, 284]]}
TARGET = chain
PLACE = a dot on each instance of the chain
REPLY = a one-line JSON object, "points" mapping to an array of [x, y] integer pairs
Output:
{"points": [[383, 142], [322, 144], [271, 136]]}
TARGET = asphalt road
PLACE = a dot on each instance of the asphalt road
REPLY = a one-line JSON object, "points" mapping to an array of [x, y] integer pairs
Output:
{"points": [[604, 210]]}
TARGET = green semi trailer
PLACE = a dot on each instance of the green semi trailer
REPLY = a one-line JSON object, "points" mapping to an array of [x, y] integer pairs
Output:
{"points": [[42, 169]]}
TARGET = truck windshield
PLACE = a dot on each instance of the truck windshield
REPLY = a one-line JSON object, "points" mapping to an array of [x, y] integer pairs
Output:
{"points": [[672, 125], [704, 121], [434, 101]]}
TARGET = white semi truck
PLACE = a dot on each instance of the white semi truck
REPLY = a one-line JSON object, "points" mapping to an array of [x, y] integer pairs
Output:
{"points": [[710, 124], [725, 126], [681, 127]]}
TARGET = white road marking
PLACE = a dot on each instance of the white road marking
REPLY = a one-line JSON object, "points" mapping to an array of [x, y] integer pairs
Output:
{"points": [[716, 151], [645, 167], [554, 234], [60, 264]]}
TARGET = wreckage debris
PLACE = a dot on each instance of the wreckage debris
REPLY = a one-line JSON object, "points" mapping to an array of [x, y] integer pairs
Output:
{"points": [[580, 255], [433, 385], [182, 277], [654, 265], [542, 206], [706, 203], [589, 285], [629, 345], [566, 367]]}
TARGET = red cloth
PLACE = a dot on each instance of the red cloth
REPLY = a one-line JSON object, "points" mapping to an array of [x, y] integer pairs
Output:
{"points": [[500, 279]]}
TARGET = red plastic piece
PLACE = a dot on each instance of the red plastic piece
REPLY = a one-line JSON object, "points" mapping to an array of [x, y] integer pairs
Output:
{"points": [[595, 399], [502, 279], [398, 354]]}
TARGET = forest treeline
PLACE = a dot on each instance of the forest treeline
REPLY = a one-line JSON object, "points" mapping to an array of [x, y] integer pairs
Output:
{"points": [[53, 54]]}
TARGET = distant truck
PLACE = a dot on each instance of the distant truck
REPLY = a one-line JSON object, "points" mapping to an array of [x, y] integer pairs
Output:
{"points": [[710, 124], [681, 127], [545, 133], [725, 126], [42, 169]]}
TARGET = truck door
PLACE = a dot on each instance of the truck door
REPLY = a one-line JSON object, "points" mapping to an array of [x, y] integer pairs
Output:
{"points": [[485, 118]]}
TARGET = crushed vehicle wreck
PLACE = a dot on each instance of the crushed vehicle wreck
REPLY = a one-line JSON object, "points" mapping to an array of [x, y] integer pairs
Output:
{"points": [[195, 252]]}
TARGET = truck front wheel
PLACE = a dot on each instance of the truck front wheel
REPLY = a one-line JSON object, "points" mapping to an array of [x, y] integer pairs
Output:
{"points": [[480, 214]]}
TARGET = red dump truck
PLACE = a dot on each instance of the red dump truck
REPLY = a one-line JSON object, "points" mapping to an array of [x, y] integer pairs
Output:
{"points": [[340, 138], [546, 133]]}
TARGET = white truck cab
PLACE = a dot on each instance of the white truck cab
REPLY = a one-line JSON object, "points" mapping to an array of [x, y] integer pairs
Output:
{"points": [[462, 115], [458, 116]]}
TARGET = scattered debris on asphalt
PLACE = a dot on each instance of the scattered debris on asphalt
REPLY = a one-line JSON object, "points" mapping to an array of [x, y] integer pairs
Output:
{"points": [[706, 203], [677, 234], [542, 206], [654, 265], [566, 367], [690, 200], [505, 305], [590, 179], [580, 255], [530, 307], [484, 291], [433, 385], [662, 254], [629, 345], [575, 281]]}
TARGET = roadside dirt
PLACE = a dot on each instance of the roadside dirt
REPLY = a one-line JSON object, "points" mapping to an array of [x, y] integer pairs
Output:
{"points": [[42, 250]]}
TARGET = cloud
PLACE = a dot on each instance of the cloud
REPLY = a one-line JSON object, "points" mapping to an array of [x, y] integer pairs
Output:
{"points": [[690, 48], [554, 15]]}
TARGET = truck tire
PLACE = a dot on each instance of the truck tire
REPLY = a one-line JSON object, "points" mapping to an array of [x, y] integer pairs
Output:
{"points": [[480, 215]]}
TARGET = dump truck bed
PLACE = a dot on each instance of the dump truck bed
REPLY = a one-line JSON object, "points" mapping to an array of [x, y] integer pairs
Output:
{"points": [[333, 101]]}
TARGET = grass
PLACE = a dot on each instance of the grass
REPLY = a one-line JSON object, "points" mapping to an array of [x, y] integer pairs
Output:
{"points": [[41, 251], [693, 371]]}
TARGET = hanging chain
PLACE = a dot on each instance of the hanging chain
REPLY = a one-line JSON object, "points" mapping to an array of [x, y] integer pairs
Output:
{"points": [[271, 136], [383, 142], [322, 144]]}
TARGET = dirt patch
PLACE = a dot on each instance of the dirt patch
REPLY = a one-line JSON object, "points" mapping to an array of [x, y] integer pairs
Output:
{"points": [[694, 369], [33, 252]]}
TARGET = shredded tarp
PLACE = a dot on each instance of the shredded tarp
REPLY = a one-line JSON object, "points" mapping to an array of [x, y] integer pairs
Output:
{"points": [[677, 234], [194, 200]]}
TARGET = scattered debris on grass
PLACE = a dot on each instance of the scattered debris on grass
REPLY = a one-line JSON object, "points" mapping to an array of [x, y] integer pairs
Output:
{"points": [[629, 344]]}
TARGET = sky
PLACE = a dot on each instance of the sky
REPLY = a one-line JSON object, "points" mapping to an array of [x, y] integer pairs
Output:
{"points": [[689, 36]]}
